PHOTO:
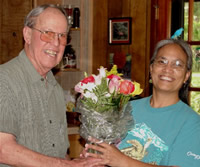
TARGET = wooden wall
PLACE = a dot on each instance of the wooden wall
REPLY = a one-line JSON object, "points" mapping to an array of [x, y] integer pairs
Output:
{"points": [[139, 10], [12, 15]]}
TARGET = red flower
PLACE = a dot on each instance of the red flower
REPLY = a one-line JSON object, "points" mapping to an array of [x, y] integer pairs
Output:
{"points": [[126, 87], [111, 76], [88, 79]]}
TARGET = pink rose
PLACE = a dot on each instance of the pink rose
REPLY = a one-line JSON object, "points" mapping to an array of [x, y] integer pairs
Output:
{"points": [[126, 87], [114, 85]]}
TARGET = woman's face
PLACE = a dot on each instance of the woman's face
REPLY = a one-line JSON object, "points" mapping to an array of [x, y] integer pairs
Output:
{"points": [[169, 70]]}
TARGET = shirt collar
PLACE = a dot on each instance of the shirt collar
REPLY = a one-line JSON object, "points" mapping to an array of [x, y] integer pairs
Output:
{"points": [[34, 76]]}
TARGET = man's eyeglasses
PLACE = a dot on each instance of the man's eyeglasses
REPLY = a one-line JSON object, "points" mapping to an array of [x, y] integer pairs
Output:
{"points": [[49, 36], [175, 64]]}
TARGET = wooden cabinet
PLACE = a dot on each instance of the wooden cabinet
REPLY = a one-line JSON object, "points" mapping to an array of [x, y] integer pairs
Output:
{"points": [[76, 145]]}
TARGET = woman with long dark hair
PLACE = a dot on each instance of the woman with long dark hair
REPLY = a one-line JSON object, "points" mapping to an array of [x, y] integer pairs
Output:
{"points": [[166, 130]]}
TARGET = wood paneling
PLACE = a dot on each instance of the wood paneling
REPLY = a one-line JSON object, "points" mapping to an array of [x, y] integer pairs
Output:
{"points": [[11, 25], [139, 48], [41, 2], [139, 10], [12, 15], [100, 34]]}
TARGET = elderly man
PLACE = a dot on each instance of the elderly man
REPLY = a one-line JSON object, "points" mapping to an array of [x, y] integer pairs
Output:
{"points": [[33, 128]]}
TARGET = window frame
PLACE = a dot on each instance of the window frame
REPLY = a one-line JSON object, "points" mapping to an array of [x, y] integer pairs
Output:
{"points": [[190, 41]]}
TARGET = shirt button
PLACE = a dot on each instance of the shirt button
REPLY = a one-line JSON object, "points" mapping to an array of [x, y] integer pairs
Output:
{"points": [[42, 79], [53, 145]]}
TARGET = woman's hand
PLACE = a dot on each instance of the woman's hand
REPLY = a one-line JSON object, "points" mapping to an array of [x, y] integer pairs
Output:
{"points": [[109, 154]]}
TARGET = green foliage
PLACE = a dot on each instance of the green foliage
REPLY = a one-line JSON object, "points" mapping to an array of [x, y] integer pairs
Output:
{"points": [[105, 103], [195, 101]]}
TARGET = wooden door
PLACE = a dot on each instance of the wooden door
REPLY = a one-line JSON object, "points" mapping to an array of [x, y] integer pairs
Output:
{"points": [[160, 21], [12, 15]]}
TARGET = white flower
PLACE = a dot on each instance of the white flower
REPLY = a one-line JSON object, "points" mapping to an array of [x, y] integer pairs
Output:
{"points": [[89, 86], [102, 71], [102, 74], [88, 94]]}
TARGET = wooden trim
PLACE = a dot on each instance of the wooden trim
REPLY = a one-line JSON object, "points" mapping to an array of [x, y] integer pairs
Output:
{"points": [[90, 37], [190, 25], [194, 42], [169, 14], [194, 89]]}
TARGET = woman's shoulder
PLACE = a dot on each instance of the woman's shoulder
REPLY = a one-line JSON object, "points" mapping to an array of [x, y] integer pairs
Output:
{"points": [[140, 100], [189, 114]]}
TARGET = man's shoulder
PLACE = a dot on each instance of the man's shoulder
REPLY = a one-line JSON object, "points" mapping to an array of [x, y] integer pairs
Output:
{"points": [[10, 67]]}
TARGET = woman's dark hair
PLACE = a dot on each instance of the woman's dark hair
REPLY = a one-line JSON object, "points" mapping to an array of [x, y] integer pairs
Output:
{"points": [[183, 92]]}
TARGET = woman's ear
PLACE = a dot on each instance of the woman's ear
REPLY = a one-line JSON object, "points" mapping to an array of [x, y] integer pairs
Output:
{"points": [[151, 68], [187, 75], [27, 34]]}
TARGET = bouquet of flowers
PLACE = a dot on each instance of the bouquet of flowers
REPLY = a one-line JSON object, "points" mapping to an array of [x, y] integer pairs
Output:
{"points": [[103, 104]]}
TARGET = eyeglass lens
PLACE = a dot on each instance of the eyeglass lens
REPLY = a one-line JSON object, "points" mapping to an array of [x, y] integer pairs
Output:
{"points": [[48, 36], [176, 64]]}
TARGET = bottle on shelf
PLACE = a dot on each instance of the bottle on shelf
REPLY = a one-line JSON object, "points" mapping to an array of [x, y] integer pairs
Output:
{"points": [[76, 17]]}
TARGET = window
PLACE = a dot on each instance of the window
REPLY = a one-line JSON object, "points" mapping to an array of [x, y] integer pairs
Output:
{"points": [[186, 14], [192, 36]]}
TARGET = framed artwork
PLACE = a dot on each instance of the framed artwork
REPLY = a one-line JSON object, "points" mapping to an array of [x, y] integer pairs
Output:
{"points": [[120, 30]]}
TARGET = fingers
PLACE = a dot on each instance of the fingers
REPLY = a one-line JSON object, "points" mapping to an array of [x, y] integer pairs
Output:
{"points": [[82, 154], [94, 140], [98, 142], [95, 147]]}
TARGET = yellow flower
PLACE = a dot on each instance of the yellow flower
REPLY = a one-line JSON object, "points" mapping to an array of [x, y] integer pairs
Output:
{"points": [[113, 71], [137, 90]]}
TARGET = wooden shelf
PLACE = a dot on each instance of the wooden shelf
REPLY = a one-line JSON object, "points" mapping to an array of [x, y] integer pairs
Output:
{"points": [[74, 29], [70, 69]]}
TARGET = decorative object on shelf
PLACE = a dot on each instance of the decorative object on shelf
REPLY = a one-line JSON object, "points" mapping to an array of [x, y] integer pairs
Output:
{"points": [[76, 18], [69, 56], [70, 100], [73, 118], [123, 62], [120, 30], [69, 11], [103, 104]]}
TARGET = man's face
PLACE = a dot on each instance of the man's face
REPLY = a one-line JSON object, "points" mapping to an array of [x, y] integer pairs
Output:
{"points": [[46, 55]]}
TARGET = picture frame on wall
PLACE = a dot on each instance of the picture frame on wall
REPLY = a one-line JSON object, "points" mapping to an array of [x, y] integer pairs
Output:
{"points": [[120, 30]]}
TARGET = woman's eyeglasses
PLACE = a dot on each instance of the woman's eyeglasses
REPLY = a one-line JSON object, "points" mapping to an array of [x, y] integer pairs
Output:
{"points": [[175, 64], [48, 36]]}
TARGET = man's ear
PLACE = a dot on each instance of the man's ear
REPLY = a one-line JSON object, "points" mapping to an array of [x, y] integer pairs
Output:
{"points": [[27, 31]]}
